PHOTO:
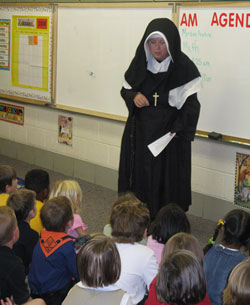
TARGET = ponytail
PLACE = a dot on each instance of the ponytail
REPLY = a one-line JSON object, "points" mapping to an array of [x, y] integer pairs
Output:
{"points": [[212, 239]]}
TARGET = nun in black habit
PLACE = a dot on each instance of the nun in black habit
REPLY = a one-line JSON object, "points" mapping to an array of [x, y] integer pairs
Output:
{"points": [[160, 91]]}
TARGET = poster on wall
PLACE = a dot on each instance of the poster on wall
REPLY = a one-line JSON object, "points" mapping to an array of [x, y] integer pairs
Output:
{"points": [[65, 130], [12, 113], [242, 180], [30, 54], [4, 44]]}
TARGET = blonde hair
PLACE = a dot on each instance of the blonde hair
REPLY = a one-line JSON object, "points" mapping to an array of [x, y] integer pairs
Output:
{"points": [[70, 189], [237, 290], [8, 224]]}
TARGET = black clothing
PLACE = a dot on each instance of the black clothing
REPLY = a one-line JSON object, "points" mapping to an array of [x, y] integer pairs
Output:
{"points": [[25, 245], [12, 276], [183, 70], [167, 177], [56, 297]]}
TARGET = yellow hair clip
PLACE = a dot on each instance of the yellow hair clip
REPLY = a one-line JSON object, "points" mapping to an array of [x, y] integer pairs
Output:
{"points": [[220, 222]]}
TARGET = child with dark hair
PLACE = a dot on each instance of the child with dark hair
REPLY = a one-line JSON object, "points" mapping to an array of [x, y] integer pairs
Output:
{"points": [[220, 259], [129, 223], [238, 287], [23, 203], [171, 219], [38, 181], [54, 258], [99, 267], [13, 286], [179, 241], [181, 280], [8, 183]]}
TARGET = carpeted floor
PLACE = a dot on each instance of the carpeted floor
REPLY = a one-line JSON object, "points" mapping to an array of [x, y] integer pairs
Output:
{"points": [[97, 202]]}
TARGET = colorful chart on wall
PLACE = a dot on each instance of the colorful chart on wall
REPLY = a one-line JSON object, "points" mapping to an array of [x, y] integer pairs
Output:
{"points": [[4, 44], [30, 51], [26, 52], [242, 180]]}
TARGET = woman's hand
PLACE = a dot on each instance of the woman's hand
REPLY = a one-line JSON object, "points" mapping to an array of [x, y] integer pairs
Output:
{"points": [[6, 302], [140, 100]]}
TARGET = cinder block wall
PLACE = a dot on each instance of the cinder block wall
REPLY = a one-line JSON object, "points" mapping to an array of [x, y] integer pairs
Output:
{"points": [[94, 155]]}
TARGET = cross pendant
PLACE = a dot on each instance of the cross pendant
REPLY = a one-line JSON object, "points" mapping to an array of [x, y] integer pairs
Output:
{"points": [[156, 96]]}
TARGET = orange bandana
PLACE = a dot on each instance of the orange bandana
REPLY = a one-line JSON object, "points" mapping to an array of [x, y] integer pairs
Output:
{"points": [[51, 241]]}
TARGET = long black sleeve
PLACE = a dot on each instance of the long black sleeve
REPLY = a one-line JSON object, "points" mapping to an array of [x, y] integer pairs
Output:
{"points": [[128, 95], [186, 122]]}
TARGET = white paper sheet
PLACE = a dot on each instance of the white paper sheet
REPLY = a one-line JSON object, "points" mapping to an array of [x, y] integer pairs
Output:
{"points": [[157, 146]]}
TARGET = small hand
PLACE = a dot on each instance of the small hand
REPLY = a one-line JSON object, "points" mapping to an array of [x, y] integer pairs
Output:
{"points": [[140, 100], [7, 302]]}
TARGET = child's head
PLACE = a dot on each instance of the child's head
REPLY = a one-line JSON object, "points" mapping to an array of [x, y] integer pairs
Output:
{"points": [[181, 279], [99, 262], [38, 181], [183, 241], [238, 286], [8, 226], [70, 189], [8, 180], [129, 220], [57, 214], [23, 203], [170, 219], [235, 229]]}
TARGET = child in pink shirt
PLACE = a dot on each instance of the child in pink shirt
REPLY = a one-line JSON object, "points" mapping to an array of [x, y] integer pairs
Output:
{"points": [[71, 189], [170, 219]]}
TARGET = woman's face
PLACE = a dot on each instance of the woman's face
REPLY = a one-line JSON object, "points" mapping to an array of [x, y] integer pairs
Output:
{"points": [[158, 48]]}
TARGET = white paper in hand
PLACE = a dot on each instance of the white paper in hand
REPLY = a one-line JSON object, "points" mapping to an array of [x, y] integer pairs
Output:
{"points": [[157, 146]]}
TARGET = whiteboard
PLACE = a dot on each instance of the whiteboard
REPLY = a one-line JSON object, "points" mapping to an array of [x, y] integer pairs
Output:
{"points": [[219, 45], [32, 82], [94, 49]]}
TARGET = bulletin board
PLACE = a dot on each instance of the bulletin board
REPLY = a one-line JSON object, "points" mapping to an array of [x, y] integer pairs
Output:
{"points": [[26, 52]]}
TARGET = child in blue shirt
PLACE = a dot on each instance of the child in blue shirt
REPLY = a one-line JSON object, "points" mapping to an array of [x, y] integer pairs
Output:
{"points": [[220, 259], [53, 268]]}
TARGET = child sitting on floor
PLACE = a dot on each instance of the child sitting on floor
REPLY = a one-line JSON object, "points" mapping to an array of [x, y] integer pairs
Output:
{"points": [[53, 266], [99, 267], [220, 259], [8, 183], [38, 181], [12, 276], [238, 287], [71, 189], [170, 219], [129, 223], [107, 230], [23, 203], [179, 241], [181, 280]]}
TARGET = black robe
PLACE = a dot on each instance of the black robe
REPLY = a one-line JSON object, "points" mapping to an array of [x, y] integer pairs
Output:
{"points": [[167, 177]]}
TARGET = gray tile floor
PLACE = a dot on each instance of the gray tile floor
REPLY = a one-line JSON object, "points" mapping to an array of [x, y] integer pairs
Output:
{"points": [[97, 202]]}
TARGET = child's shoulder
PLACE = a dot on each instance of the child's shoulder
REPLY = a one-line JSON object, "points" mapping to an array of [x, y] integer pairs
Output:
{"points": [[55, 243], [134, 249], [9, 261], [39, 205], [77, 217], [3, 199], [26, 231], [218, 251]]}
